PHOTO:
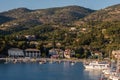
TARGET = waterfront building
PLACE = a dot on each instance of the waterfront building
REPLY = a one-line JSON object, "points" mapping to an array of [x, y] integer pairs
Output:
{"points": [[30, 37], [68, 53], [72, 29], [15, 52], [32, 53], [97, 54], [116, 53], [55, 53]]}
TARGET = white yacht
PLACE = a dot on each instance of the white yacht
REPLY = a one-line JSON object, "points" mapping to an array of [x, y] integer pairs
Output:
{"points": [[109, 71], [96, 65], [114, 77]]}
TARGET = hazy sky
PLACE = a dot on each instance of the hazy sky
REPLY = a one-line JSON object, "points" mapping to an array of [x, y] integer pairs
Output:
{"points": [[41, 4]]}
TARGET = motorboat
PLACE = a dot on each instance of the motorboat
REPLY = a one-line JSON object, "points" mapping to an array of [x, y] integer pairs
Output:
{"points": [[114, 77], [96, 65]]}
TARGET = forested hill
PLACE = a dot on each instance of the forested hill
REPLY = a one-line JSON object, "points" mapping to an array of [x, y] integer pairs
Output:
{"points": [[4, 19], [81, 29], [111, 13], [23, 18]]}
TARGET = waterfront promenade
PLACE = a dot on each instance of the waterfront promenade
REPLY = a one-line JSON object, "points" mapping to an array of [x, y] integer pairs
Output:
{"points": [[27, 59]]}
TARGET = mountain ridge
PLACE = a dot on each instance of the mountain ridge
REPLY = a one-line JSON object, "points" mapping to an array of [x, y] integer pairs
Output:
{"points": [[110, 13], [57, 16], [23, 18]]}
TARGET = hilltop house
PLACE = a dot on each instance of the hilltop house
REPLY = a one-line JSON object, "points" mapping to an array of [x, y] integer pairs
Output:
{"points": [[72, 29], [30, 37], [116, 54]]}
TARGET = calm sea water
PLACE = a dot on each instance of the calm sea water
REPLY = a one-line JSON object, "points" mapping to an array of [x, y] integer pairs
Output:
{"points": [[54, 71]]}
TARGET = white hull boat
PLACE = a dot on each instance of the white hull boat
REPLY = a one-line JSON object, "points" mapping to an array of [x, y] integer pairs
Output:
{"points": [[96, 65]]}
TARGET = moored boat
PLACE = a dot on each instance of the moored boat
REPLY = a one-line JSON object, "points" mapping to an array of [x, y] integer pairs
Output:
{"points": [[96, 65], [114, 77]]}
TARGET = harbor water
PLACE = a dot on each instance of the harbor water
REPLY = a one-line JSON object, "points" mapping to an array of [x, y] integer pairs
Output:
{"points": [[48, 71]]}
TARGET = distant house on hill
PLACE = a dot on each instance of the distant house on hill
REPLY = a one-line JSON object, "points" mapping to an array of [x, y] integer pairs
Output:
{"points": [[32, 53], [30, 37], [72, 29], [15, 52]]}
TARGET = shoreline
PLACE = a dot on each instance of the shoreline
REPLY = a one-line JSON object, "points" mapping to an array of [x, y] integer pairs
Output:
{"points": [[27, 59]]}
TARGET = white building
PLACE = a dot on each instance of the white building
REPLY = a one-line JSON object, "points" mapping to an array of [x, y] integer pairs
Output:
{"points": [[30, 37], [68, 53], [15, 52], [116, 53], [32, 53]]}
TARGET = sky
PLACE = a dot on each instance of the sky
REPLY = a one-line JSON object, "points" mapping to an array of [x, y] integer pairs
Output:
{"points": [[6, 5]]}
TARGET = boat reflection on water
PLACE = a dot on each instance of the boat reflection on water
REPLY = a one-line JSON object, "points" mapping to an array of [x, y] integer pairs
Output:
{"points": [[64, 70], [92, 74], [96, 65]]}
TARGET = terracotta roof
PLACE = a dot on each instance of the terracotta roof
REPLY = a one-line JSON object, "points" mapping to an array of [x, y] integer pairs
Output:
{"points": [[32, 50]]}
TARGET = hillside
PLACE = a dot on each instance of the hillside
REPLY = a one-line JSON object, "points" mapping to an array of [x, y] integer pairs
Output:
{"points": [[24, 18], [111, 13], [4, 19], [16, 13], [62, 28]]}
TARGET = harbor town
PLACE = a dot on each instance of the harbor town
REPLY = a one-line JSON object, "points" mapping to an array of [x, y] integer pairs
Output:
{"points": [[110, 68], [60, 40]]}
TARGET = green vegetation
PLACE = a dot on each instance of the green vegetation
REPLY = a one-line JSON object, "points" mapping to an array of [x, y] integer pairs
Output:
{"points": [[67, 27]]}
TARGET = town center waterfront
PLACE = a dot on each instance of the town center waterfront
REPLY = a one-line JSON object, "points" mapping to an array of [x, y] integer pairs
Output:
{"points": [[48, 71]]}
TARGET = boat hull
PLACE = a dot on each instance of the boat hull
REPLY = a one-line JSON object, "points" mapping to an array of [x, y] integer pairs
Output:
{"points": [[94, 67]]}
